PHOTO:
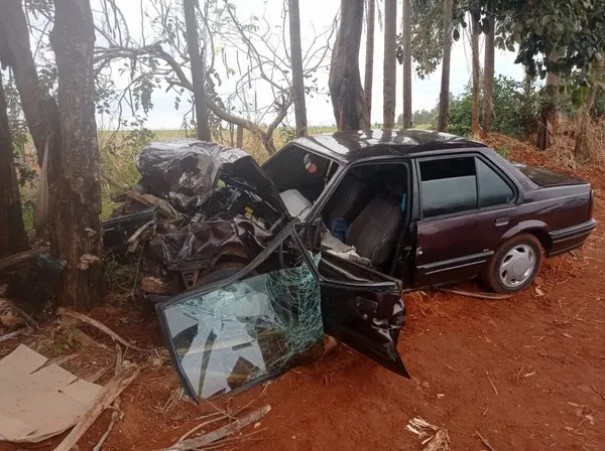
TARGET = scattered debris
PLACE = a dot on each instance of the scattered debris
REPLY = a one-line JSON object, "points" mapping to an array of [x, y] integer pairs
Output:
{"points": [[439, 442], [39, 398], [538, 291], [492, 383], [220, 433], [23, 257], [117, 414], [14, 334], [34, 283], [8, 315], [102, 327], [597, 392], [437, 439], [484, 441], [479, 295], [102, 401]]}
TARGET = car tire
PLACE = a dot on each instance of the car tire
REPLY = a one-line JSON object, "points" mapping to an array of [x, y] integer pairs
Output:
{"points": [[220, 272], [514, 265]]}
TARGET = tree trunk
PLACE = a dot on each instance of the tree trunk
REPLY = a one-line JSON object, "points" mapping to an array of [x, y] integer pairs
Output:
{"points": [[298, 82], [444, 95], [348, 100], [198, 73], [407, 64], [584, 121], [369, 68], [488, 77], [75, 210], [389, 64], [13, 238], [15, 52], [547, 121], [239, 140], [476, 88]]}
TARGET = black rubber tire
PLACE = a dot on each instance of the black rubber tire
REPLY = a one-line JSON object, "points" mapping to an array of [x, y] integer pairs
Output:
{"points": [[220, 272], [489, 275]]}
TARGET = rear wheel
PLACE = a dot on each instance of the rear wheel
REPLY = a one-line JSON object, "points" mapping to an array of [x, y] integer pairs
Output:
{"points": [[514, 265]]}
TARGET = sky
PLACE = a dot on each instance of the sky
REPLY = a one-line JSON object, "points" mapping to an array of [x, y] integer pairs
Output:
{"points": [[317, 15]]}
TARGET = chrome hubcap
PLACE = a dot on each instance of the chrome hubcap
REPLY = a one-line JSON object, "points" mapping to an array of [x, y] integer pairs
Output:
{"points": [[517, 266]]}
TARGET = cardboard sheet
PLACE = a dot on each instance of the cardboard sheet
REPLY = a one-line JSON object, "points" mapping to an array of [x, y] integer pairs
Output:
{"points": [[39, 400]]}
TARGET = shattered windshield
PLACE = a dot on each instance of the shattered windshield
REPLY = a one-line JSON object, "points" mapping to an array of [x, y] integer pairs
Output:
{"points": [[248, 330]]}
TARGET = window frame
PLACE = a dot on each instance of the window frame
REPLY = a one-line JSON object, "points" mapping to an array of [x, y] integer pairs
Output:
{"points": [[344, 170], [475, 156]]}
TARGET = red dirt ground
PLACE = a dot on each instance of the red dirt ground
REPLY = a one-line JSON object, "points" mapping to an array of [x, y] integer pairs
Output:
{"points": [[524, 373]]}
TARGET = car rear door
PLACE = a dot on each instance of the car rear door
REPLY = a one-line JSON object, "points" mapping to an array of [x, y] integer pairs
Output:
{"points": [[466, 205]]}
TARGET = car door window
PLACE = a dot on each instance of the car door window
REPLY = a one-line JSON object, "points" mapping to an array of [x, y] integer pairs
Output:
{"points": [[493, 190], [244, 332], [448, 185]]}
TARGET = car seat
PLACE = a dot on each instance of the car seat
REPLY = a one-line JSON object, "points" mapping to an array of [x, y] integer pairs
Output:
{"points": [[374, 232], [347, 202]]}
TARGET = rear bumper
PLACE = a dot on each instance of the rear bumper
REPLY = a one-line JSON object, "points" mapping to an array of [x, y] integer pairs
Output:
{"points": [[565, 240]]}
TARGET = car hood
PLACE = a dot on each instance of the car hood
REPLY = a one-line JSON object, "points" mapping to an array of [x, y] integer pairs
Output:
{"points": [[186, 172], [545, 177]]}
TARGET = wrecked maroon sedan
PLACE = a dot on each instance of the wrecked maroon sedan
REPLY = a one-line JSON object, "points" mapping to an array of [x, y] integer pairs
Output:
{"points": [[251, 265]]}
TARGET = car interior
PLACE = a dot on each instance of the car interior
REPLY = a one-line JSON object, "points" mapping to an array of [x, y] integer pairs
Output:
{"points": [[364, 216], [294, 168], [368, 211]]}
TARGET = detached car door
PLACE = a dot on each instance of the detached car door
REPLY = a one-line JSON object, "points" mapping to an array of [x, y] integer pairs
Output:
{"points": [[268, 318], [466, 206]]}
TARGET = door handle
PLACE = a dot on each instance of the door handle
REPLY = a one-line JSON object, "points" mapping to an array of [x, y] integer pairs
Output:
{"points": [[504, 220]]}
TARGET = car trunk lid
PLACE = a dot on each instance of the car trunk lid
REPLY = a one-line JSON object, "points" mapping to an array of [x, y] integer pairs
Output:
{"points": [[546, 178]]}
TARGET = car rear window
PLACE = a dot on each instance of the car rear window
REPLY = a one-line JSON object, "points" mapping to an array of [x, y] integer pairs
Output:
{"points": [[451, 185], [493, 190]]}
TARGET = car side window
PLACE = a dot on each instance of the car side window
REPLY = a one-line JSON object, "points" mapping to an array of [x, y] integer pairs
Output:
{"points": [[448, 185], [493, 190]]}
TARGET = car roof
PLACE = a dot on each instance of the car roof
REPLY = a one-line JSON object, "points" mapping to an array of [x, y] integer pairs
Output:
{"points": [[354, 145]]}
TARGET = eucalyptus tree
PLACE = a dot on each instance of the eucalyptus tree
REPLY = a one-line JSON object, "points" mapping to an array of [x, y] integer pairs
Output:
{"points": [[63, 127], [13, 237], [389, 64], [348, 100]]}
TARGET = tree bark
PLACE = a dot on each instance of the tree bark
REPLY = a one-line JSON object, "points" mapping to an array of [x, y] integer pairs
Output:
{"points": [[444, 95], [488, 77], [348, 99], [13, 237], [389, 64], [75, 225], [476, 88], [298, 82], [584, 120], [15, 52], [369, 67], [547, 121], [407, 64], [198, 73]]}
